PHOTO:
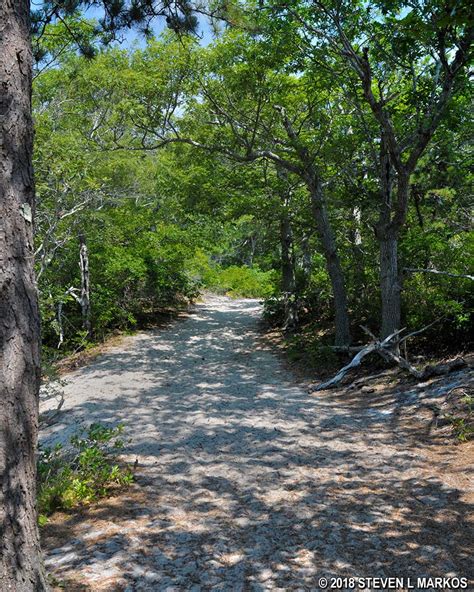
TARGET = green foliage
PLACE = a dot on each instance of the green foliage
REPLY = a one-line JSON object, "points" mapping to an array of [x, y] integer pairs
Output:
{"points": [[165, 220], [439, 237], [244, 282], [274, 310], [83, 473], [463, 429], [462, 420], [234, 281]]}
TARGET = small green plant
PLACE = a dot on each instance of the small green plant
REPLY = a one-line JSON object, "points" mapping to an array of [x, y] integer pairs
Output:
{"points": [[468, 400], [81, 473], [463, 430], [461, 419]]}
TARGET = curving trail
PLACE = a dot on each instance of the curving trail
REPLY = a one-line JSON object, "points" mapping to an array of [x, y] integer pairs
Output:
{"points": [[246, 481]]}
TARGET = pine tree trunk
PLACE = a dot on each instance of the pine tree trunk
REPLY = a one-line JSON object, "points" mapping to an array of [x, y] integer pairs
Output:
{"points": [[20, 557], [333, 264]]}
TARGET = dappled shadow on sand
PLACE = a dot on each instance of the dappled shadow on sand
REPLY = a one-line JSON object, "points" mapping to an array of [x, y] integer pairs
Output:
{"points": [[245, 481]]}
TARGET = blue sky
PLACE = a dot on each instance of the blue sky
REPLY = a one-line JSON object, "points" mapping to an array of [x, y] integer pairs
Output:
{"points": [[133, 37]]}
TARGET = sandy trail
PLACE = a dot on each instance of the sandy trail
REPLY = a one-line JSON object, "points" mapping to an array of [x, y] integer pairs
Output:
{"points": [[246, 481]]}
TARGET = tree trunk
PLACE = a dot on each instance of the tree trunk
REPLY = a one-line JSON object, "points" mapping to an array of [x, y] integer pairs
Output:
{"points": [[390, 285], [288, 283], [391, 220], [358, 271], [85, 285], [333, 264], [20, 558], [307, 263]]}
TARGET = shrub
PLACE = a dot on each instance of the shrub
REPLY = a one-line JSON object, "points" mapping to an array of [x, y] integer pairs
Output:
{"points": [[462, 416], [81, 473], [245, 282], [274, 310]]}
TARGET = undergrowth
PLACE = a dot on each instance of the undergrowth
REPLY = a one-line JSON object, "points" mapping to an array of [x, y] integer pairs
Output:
{"points": [[462, 419], [83, 472]]}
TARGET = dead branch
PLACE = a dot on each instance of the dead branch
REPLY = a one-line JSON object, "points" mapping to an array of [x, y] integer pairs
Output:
{"points": [[386, 350], [402, 362], [356, 361], [347, 349], [437, 272], [422, 330]]}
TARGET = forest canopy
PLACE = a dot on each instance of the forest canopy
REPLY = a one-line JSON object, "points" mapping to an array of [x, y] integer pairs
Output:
{"points": [[316, 156]]}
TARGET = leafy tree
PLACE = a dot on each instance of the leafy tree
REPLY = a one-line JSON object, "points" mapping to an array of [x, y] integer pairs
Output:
{"points": [[241, 107], [409, 58]]}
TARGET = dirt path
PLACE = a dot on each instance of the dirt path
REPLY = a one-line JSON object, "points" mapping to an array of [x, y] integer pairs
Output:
{"points": [[246, 481]]}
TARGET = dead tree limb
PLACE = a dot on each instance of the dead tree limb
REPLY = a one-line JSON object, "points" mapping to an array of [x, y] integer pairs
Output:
{"points": [[385, 349], [422, 330], [437, 272], [347, 349], [356, 361]]}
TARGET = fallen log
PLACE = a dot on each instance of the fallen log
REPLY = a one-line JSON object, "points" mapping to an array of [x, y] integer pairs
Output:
{"points": [[444, 368], [356, 361], [387, 351]]}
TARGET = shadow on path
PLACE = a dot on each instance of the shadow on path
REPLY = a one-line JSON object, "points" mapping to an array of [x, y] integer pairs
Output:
{"points": [[247, 482]]}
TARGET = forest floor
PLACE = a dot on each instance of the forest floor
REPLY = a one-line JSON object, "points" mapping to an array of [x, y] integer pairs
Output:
{"points": [[247, 481]]}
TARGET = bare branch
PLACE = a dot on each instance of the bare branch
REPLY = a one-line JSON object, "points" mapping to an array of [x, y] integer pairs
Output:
{"points": [[437, 272]]}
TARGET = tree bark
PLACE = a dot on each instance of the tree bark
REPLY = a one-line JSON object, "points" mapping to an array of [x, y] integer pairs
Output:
{"points": [[390, 284], [20, 558], [287, 260], [288, 280], [288, 283], [392, 218], [85, 285], [307, 263], [333, 264], [387, 236]]}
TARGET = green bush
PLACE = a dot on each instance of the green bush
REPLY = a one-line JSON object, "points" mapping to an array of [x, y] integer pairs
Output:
{"points": [[274, 310], [234, 281], [245, 282], [83, 473]]}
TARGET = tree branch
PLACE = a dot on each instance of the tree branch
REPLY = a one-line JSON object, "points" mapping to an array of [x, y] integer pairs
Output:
{"points": [[437, 272]]}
